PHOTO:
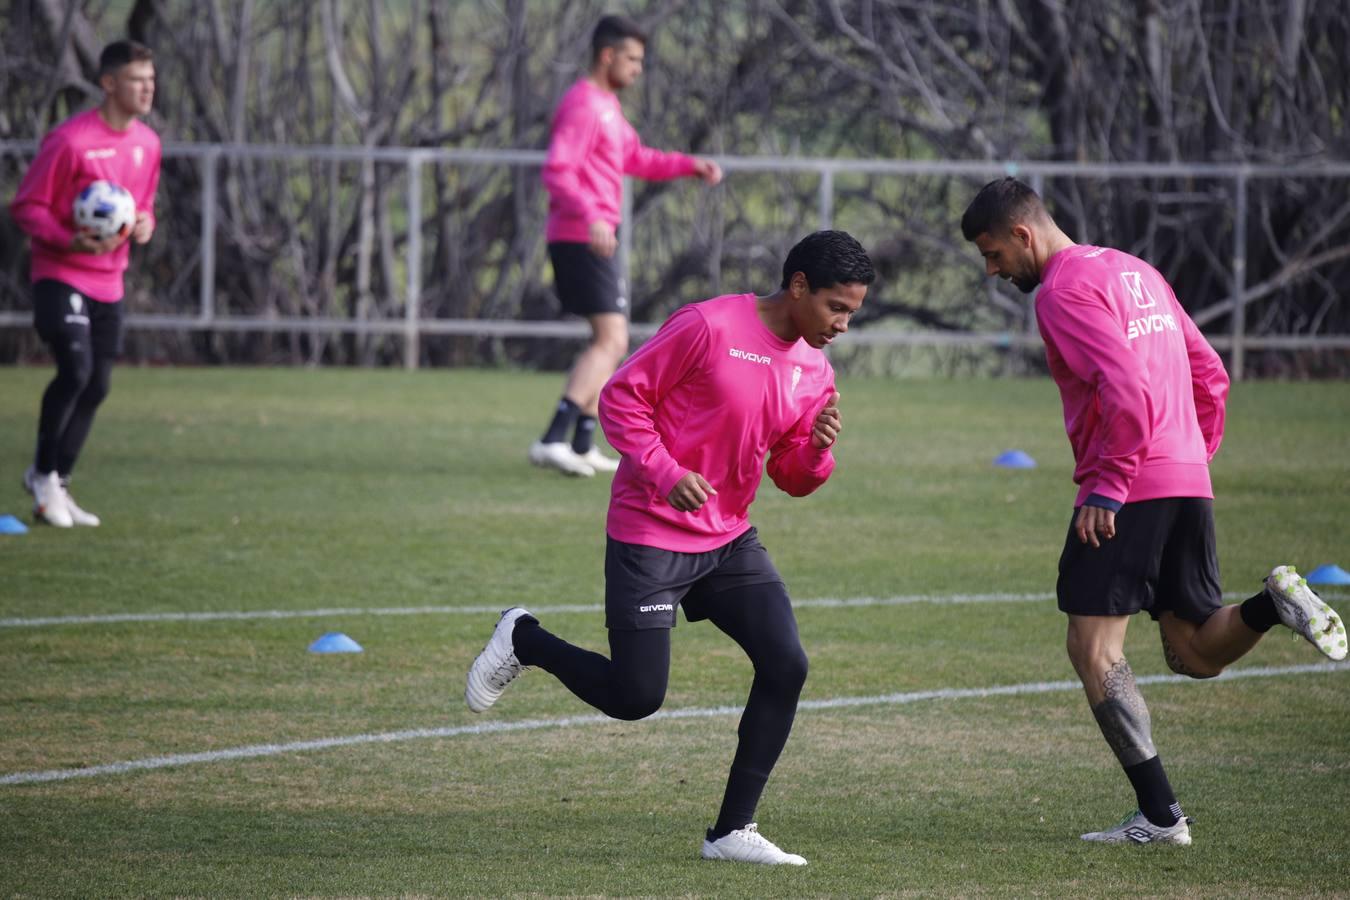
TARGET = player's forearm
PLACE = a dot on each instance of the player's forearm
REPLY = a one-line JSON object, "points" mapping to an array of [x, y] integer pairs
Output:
{"points": [[38, 222], [802, 470], [658, 165]]}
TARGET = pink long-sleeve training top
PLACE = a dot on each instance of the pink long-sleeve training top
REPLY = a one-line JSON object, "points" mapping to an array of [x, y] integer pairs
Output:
{"points": [[1143, 391], [592, 147], [81, 150], [712, 392]]}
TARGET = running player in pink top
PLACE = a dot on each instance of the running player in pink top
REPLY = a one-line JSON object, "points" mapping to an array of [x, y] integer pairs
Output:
{"points": [[77, 277], [1144, 408], [592, 148], [694, 413]]}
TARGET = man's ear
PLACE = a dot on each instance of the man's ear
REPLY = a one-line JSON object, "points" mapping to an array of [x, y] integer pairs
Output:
{"points": [[1022, 234]]}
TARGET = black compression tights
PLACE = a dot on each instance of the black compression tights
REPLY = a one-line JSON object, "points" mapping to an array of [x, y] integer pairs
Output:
{"points": [[631, 684], [68, 406]]}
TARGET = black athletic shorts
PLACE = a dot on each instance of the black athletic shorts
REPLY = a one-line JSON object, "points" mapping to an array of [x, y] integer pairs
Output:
{"points": [[66, 318], [643, 585], [1163, 558], [587, 284]]}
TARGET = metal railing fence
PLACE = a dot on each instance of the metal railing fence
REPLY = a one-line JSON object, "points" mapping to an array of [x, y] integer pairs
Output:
{"points": [[412, 326]]}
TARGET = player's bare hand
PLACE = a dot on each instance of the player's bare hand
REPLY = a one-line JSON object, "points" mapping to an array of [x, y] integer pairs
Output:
{"points": [[690, 493], [828, 424], [1094, 525], [708, 170], [603, 241], [144, 227], [87, 241]]}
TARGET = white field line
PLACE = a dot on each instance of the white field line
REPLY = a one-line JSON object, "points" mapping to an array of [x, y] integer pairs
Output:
{"points": [[338, 611], [491, 727]]}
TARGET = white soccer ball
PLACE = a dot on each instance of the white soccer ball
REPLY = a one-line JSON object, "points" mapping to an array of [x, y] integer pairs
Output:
{"points": [[106, 208]]}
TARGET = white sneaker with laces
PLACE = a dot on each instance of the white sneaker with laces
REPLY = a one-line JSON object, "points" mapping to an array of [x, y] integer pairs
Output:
{"points": [[560, 455], [1137, 829], [49, 499], [496, 666], [599, 461], [748, 845], [77, 515], [1305, 612]]}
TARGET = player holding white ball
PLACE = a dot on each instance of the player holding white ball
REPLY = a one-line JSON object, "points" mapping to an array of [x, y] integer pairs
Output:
{"points": [[77, 270]]}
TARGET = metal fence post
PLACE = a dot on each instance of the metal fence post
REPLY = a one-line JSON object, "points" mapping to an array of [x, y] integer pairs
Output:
{"points": [[626, 242], [826, 198], [207, 288], [1037, 185], [1239, 277], [412, 302]]}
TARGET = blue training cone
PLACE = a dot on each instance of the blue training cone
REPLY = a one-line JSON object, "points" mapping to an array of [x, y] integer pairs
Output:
{"points": [[11, 525], [335, 642], [1328, 574], [1014, 459]]}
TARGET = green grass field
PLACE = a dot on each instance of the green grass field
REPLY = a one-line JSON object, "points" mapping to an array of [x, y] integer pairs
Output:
{"points": [[230, 490]]}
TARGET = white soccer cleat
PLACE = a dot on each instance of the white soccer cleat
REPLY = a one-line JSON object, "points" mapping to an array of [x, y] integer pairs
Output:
{"points": [[77, 515], [496, 666], [748, 845], [1137, 829], [49, 499], [1305, 612], [559, 455], [599, 461]]}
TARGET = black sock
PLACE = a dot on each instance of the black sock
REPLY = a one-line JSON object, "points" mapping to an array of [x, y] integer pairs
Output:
{"points": [[1154, 792], [520, 634], [584, 437], [562, 422], [1259, 612]]}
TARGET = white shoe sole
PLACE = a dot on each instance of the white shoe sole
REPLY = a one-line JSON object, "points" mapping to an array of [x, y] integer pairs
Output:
{"points": [[1306, 613]]}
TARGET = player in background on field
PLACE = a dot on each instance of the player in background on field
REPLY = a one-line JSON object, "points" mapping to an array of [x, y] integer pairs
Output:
{"points": [[77, 277], [694, 412], [591, 148], [1143, 396]]}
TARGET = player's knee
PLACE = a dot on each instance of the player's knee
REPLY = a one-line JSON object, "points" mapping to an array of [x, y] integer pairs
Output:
{"points": [[1197, 669], [74, 375], [1081, 653], [96, 387], [638, 702], [786, 672], [614, 345]]}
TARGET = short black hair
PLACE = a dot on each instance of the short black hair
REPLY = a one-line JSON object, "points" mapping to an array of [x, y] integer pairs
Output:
{"points": [[999, 206], [827, 258], [611, 31], [120, 53]]}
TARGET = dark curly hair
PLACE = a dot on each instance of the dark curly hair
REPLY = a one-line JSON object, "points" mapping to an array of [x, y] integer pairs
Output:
{"points": [[827, 258]]}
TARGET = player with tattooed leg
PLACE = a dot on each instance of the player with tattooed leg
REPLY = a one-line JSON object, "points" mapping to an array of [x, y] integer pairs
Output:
{"points": [[1144, 397]]}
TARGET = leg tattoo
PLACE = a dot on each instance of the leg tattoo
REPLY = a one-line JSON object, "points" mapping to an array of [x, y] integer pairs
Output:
{"points": [[1123, 717], [1175, 662]]}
